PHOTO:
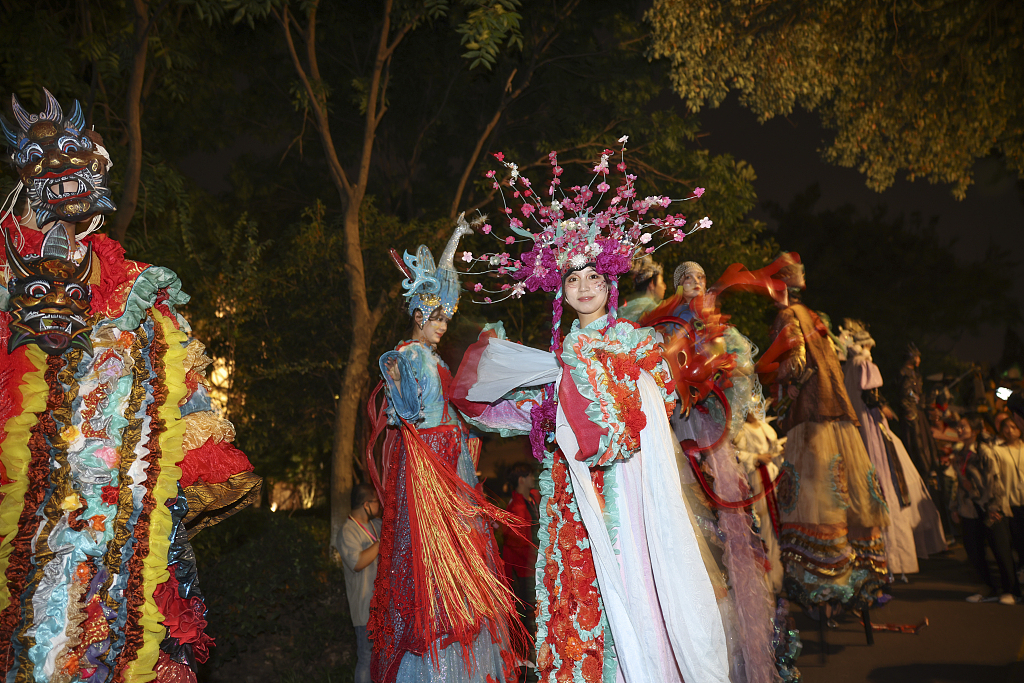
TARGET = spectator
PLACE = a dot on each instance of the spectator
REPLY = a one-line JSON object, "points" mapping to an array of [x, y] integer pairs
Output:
{"points": [[359, 543], [981, 509], [1010, 451], [520, 551]]}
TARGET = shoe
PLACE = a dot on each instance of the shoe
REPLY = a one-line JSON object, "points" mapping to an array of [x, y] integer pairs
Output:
{"points": [[977, 597], [1007, 599]]}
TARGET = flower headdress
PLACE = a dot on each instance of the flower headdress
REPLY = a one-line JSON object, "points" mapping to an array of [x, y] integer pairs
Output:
{"points": [[572, 231], [428, 286]]}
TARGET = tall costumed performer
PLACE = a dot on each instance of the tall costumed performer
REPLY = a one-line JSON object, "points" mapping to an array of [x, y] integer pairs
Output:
{"points": [[441, 610], [112, 458], [831, 500], [623, 588]]}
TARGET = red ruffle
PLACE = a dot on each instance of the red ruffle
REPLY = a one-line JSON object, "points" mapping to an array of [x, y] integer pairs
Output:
{"points": [[184, 619], [213, 463]]}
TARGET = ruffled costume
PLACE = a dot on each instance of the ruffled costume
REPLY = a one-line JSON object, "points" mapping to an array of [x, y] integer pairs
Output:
{"points": [[424, 627], [749, 609], [110, 463], [623, 589], [830, 499], [915, 528]]}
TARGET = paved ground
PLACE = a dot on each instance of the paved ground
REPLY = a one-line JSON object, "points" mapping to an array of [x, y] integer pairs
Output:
{"points": [[964, 643]]}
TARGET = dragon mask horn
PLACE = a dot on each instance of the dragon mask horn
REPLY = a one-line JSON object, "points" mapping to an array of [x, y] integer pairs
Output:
{"points": [[52, 112]]}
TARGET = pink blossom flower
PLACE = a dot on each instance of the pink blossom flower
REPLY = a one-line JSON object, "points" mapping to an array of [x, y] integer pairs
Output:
{"points": [[603, 187], [645, 238], [679, 235], [557, 170], [698, 191], [467, 256], [665, 201], [649, 250], [477, 287], [487, 299], [484, 257], [505, 286], [486, 228], [527, 193], [704, 223], [510, 239], [489, 174], [516, 223], [621, 166], [500, 156], [527, 209], [516, 194]]}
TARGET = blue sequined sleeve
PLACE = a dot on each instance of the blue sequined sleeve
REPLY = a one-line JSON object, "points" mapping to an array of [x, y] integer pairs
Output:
{"points": [[407, 403]]}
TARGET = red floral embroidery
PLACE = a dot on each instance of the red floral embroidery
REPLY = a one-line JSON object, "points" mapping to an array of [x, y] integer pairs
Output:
{"points": [[109, 494]]}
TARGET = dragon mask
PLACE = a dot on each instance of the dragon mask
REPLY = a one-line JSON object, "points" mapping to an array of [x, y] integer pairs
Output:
{"points": [[50, 296], [61, 164]]}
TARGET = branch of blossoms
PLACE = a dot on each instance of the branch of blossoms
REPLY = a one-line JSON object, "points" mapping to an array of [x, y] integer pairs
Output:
{"points": [[569, 229]]}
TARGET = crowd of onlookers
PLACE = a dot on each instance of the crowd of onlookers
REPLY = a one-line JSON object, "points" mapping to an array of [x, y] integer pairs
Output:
{"points": [[981, 474]]}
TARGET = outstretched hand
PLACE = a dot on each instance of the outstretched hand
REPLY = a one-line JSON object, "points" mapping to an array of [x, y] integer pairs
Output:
{"points": [[391, 365]]}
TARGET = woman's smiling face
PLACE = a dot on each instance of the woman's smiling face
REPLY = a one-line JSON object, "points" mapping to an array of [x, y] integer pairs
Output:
{"points": [[586, 291]]}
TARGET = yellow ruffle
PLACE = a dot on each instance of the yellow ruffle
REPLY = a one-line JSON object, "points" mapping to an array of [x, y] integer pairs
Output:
{"points": [[16, 457], [154, 568]]}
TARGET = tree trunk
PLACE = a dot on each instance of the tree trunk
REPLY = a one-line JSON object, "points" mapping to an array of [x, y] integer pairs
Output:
{"points": [[129, 199], [356, 375]]}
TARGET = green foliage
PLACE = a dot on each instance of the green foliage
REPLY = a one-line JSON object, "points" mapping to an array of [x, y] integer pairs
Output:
{"points": [[924, 88], [895, 275], [489, 27], [277, 606]]}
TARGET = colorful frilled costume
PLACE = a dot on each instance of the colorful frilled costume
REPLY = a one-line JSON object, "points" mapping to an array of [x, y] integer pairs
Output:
{"points": [[761, 648], [915, 528], [111, 456], [830, 497], [623, 590], [441, 610]]}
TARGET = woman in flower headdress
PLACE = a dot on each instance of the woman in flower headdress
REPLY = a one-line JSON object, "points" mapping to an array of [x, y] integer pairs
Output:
{"points": [[440, 609], [623, 588]]}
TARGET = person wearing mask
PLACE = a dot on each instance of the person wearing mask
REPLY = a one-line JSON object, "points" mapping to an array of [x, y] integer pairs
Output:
{"points": [[359, 544], [980, 507], [1010, 452]]}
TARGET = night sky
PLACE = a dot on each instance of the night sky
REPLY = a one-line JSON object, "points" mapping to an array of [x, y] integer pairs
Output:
{"points": [[784, 153]]}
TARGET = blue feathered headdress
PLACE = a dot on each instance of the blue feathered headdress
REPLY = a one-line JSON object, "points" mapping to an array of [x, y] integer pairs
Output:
{"points": [[428, 286]]}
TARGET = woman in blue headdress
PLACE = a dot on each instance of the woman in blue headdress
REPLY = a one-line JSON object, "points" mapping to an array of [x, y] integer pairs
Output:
{"points": [[441, 610]]}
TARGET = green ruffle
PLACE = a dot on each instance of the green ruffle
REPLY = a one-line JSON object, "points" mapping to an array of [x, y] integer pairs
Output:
{"points": [[621, 337], [144, 294]]}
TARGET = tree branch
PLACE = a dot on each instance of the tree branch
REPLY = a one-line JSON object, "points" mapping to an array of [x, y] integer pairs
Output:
{"points": [[319, 109]]}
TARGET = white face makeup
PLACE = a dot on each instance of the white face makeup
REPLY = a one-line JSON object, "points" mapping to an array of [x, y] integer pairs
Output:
{"points": [[586, 291], [694, 284]]}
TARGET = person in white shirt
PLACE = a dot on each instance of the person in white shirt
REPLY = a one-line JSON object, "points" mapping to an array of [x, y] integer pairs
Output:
{"points": [[359, 544], [1010, 453]]}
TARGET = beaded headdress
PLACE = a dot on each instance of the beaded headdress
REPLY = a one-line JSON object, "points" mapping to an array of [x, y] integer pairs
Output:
{"points": [[571, 231], [428, 286], [684, 269]]}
